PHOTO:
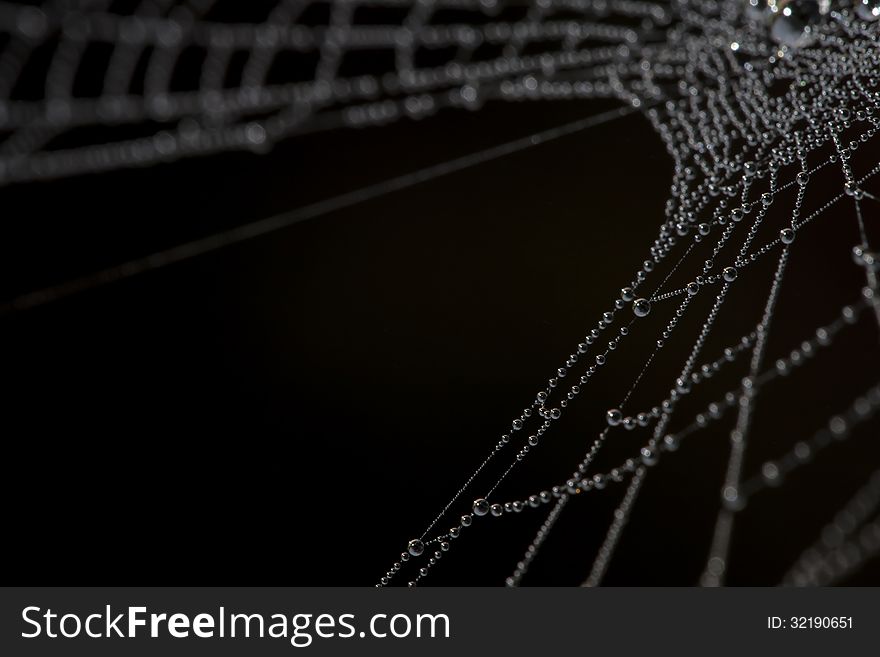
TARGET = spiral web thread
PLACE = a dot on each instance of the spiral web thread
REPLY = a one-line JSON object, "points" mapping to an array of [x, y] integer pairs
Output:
{"points": [[748, 114], [204, 76]]}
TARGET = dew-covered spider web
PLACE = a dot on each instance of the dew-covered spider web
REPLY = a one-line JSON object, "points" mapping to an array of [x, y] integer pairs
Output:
{"points": [[768, 111]]}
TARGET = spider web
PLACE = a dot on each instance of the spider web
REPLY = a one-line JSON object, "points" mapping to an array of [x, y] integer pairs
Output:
{"points": [[752, 104], [95, 86]]}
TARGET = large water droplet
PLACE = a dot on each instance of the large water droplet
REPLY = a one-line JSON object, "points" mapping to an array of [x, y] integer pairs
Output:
{"points": [[795, 21], [868, 10]]}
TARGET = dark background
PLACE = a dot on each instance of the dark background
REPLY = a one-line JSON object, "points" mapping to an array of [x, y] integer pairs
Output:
{"points": [[295, 408]]}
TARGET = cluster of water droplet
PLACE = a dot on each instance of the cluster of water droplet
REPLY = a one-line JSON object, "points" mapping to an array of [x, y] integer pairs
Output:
{"points": [[712, 92], [743, 95]]}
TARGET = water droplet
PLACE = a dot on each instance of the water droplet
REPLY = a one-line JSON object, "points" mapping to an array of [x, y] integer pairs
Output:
{"points": [[641, 307], [795, 21], [868, 10]]}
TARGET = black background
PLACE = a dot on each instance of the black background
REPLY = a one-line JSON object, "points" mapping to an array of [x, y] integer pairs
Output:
{"points": [[293, 409]]}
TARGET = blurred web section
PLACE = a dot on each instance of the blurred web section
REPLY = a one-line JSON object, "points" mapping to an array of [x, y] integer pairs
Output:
{"points": [[101, 85]]}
